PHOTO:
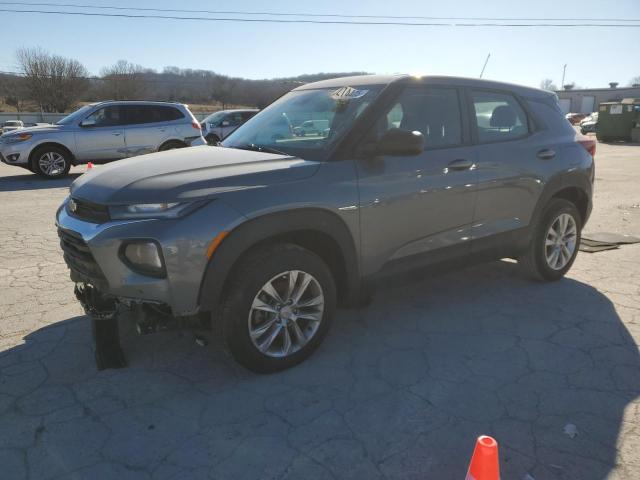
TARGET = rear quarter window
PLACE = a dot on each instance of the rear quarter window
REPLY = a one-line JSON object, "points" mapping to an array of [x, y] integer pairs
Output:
{"points": [[168, 114], [499, 117]]}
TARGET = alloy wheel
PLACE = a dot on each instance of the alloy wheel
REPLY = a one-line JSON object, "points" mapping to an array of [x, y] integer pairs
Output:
{"points": [[286, 313], [52, 164], [560, 241]]}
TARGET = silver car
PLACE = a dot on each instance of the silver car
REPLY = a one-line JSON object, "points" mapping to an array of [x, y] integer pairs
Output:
{"points": [[11, 125], [101, 132], [220, 125], [267, 233]]}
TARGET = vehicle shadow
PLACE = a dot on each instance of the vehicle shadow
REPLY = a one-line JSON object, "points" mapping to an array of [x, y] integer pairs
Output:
{"points": [[31, 181], [399, 389]]}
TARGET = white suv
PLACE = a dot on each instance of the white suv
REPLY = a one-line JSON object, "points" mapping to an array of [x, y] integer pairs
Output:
{"points": [[101, 132]]}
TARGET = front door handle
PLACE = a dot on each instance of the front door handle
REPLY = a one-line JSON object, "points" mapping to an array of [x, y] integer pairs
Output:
{"points": [[117, 134], [460, 164], [546, 154]]}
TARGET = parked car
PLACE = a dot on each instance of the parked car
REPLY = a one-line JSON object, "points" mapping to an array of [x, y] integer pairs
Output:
{"points": [[220, 125], [267, 233], [311, 127], [589, 124], [12, 125], [101, 132], [575, 118]]}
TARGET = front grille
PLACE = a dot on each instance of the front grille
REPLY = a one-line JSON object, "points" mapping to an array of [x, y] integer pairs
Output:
{"points": [[91, 212], [79, 258]]}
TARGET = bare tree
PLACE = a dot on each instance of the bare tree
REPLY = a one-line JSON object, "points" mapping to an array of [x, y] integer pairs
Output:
{"points": [[123, 81], [13, 91], [54, 82], [547, 84], [635, 81], [222, 90]]}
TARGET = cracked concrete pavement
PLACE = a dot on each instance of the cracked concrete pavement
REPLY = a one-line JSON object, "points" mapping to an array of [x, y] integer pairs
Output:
{"points": [[399, 389]]}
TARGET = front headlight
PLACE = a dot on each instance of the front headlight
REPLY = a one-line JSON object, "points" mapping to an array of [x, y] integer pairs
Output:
{"points": [[153, 210], [22, 137]]}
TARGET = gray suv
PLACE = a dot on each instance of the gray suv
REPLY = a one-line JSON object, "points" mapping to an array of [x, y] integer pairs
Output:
{"points": [[220, 125], [267, 233], [101, 132]]}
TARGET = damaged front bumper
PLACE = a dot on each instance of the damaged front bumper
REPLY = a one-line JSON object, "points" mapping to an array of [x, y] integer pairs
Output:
{"points": [[104, 326]]}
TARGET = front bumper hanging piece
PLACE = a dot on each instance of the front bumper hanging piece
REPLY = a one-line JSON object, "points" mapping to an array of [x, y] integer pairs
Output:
{"points": [[104, 326]]}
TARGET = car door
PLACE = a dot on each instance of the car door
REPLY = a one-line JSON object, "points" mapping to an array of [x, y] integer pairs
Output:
{"points": [[418, 208], [508, 166], [144, 133], [100, 135]]}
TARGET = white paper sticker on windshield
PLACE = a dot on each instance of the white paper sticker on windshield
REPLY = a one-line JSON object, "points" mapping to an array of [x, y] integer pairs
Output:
{"points": [[347, 93], [615, 109]]}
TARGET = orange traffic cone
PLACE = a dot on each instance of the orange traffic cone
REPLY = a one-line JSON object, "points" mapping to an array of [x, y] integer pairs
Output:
{"points": [[484, 462], [89, 166]]}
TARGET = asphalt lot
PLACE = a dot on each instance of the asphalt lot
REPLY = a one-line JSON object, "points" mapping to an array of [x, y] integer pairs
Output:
{"points": [[399, 389]]}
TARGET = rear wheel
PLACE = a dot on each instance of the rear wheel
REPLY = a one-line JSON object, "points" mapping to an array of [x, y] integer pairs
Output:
{"points": [[278, 307], [555, 242], [51, 162], [171, 145]]}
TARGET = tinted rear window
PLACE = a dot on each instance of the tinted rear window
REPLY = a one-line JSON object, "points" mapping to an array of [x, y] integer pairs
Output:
{"points": [[499, 117], [138, 114]]}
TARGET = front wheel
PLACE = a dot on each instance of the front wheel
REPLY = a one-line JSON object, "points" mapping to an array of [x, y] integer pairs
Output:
{"points": [[278, 307], [555, 242], [51, 162], [212, 139]]}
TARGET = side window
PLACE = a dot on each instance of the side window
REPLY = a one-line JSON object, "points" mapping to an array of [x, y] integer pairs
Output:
{"points": [[499, 117], [247, 115], [106, 117], [234, 119], [136, 114], [435, 112], [167, 114]]}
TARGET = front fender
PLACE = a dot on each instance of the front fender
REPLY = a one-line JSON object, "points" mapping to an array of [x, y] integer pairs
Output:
{"points": [[271, 226]]}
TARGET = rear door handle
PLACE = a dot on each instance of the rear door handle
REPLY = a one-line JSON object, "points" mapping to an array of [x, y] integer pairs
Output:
{"points": [[117, 134], [460, 164], [546, 154]]}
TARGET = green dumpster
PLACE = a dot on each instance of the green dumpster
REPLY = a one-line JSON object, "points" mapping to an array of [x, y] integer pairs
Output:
{"points": [[617, 119]]}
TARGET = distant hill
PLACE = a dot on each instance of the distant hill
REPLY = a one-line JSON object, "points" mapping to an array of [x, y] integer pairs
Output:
{"points": [[206, 89]]}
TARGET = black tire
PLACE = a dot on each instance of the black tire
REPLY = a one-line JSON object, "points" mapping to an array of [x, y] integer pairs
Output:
{"points": [[534, 262], [61, 156], [254, 271], [212, 139], [171, 145]]}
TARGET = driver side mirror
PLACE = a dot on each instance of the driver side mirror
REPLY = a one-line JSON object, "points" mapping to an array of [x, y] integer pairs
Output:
{"points": [[88, 122], [398, 143]]}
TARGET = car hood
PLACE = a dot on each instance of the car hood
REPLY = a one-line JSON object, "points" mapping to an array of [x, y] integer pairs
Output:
{"points": [[187, 174], [37, 129]]}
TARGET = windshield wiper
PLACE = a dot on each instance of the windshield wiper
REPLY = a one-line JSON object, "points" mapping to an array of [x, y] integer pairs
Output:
{"points": [[260, 148]]}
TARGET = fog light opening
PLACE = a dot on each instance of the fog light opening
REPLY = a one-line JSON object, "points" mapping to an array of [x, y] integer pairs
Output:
{"points": [[144, 257]]}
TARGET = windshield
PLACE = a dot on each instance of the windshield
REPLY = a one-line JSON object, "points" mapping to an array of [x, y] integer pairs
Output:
{"points": [[75, 116], [305, 123], [11, 123], [214, 118]]}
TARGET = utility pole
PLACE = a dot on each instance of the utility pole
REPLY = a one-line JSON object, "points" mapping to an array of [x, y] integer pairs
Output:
{"points": [[485, 65], [564, 70]]}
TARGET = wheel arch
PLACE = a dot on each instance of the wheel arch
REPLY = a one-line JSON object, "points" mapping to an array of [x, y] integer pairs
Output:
{"points": [[574, 187], [315, 229], [51, 144], [170, 141]]}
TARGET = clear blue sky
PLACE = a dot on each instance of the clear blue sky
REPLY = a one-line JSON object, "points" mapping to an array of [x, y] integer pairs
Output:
{"points": [[595, 56]]}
